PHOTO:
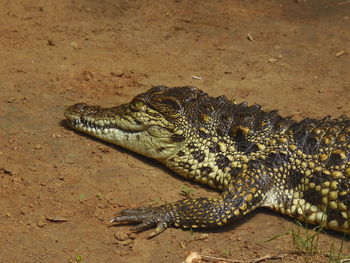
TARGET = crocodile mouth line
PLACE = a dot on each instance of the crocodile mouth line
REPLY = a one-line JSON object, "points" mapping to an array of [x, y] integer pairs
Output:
{"points": [[93, 127]]}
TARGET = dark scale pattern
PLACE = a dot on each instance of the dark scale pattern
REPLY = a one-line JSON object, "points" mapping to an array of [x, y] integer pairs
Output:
{"points": [[214, 147], [234, 172], [294, 179], [312, 196], [206, 170], [276, 159], [185, 165], [222, 161], [320, 177], [181, 153], [191, 146], [336, 215], [177, 138], [198, 155], [335, 159], [257, 158], [242, 143]]}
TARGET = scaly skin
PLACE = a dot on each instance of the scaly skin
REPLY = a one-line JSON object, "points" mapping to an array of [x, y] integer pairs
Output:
{"points": [[256, 158]]}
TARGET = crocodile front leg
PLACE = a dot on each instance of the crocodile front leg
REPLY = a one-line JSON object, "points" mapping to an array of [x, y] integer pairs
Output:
{"points": [[243, 197]]}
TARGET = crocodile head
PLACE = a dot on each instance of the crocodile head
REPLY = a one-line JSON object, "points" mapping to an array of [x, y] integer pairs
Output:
{"points": [[152, 124]]}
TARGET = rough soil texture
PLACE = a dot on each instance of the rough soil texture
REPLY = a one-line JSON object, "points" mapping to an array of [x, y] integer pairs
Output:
{"points": [[59, 189]]}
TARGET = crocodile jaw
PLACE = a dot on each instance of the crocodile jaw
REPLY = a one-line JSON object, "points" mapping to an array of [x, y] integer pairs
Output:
{"points": [[111, 125]]}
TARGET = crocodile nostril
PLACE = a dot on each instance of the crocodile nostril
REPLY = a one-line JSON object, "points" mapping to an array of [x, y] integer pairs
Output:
{"points": [[80, 107]]}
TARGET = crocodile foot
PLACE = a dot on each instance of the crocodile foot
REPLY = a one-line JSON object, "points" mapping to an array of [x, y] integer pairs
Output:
{"points": [[147, 217]]}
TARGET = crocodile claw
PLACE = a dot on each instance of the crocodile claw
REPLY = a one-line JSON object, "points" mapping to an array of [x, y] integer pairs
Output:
{"points": [[147, 218]]}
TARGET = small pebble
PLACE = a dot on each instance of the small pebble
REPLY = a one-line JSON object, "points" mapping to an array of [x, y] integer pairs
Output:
{"points": [[121, 236]]}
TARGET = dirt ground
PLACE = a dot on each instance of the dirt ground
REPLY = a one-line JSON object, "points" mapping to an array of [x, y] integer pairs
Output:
{"points": [[59, 189]]}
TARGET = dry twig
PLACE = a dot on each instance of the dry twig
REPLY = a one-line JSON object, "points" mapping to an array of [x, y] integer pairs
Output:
{"points": [[195, 257], [250, 38]]}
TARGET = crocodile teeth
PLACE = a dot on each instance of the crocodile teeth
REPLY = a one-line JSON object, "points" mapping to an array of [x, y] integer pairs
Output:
{"points": [[100, 123], [76, 122]]}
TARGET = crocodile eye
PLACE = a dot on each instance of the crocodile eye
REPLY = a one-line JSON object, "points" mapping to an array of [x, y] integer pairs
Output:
{"points": [[137, 103]]}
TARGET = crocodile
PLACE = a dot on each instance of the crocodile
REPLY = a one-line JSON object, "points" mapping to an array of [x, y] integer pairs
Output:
{"points": [[255, 158]]}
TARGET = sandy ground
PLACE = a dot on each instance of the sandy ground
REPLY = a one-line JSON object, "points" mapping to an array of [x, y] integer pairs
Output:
{"points": [[59, 189]]}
